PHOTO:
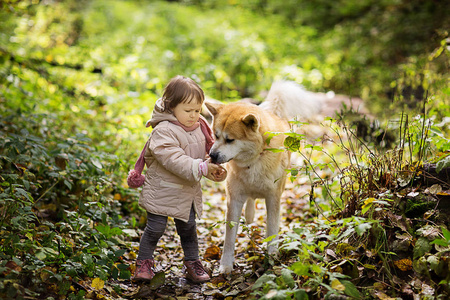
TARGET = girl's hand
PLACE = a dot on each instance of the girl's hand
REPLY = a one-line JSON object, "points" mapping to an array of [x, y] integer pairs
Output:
{"points": [[216, 172]]}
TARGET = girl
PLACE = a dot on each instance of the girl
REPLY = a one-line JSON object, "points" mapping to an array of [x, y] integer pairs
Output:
{"points": [[174, 156]]}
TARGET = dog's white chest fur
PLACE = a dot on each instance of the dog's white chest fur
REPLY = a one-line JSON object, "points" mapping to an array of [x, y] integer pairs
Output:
{"points": [[260, 178]]}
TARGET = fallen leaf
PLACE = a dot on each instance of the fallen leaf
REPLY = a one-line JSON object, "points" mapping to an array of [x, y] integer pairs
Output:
{"points": [[218, 279], [131, 255], [144, 291], [403, 264], [12, 266], [130, 232], [212, 253], [412, 194], [427, 290], [157, 281], [383, 296], [434, 189], [97, 283], [61, 160]]}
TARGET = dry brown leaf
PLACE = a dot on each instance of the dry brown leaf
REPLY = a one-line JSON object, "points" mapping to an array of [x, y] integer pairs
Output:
{"points": [[212, 253], [403, 264], [11, 266]]}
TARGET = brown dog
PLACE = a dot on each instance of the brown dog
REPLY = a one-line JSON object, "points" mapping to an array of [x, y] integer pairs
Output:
{"points": [[241, 132]]}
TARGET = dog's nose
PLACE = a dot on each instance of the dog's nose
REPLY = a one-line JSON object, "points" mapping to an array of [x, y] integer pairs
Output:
{"points": [[214, 156]]}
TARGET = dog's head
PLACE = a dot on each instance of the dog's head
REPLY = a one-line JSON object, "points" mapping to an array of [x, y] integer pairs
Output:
{"points": [[236, 127]]}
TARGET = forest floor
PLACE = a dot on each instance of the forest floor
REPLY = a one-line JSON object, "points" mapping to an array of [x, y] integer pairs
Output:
{"points": [[250, 257]]}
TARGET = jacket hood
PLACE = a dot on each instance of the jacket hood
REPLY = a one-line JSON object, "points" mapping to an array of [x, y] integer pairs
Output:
{"points": [[158, 115]]}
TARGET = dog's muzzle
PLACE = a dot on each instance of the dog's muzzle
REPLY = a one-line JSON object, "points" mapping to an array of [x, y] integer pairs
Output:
{"points": [[214, 157], [217, 158]]}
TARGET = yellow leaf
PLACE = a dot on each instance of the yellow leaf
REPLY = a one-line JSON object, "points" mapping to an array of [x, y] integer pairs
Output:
{"points": [[44, 275], [383, 296], [131, 255], [403, 264], [211, 285], [97, 283], [253, 258], [132, 268], [368, 266], [368, 201], [337, 285]]}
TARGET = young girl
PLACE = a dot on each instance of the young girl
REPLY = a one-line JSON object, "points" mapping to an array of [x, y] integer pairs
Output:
{"points": [[175, 158]]}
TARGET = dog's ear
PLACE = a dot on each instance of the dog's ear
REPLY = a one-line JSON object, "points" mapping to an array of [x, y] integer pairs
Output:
{"points": [[251, 121], [213, 107]]}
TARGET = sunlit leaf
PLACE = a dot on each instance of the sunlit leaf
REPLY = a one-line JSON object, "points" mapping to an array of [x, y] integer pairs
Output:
{"points": [[293, 144], [362, 228], [446, 234], [97, 283], [96, 163], [337, 285]]}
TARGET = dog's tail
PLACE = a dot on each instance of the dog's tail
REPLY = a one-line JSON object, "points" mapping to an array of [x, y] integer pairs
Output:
{"points": [[288, 99]]}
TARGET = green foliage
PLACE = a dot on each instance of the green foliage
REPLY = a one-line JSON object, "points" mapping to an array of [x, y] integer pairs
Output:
{"points": [[53, 190], [378, 194], [312, 275], [233, 50], [445, 241]]}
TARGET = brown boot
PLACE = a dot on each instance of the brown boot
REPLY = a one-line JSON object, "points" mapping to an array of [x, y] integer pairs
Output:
{"points": [[195, 271], [144, 270]]}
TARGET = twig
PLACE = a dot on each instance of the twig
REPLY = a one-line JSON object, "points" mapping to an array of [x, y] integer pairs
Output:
{"points": [[46, 192]]}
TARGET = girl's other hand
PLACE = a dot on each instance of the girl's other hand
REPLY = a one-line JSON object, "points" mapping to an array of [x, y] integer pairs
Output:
{"points": [[216, 172]]}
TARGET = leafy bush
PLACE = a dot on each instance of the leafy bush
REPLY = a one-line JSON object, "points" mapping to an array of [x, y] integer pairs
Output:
{"points": [[59, 222]]}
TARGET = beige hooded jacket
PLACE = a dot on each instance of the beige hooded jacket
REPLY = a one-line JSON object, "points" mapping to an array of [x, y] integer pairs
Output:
{"points": [[172, 180]]}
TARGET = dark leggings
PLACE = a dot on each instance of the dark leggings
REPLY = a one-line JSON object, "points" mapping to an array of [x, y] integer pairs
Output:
{"points": [[156, 225]]}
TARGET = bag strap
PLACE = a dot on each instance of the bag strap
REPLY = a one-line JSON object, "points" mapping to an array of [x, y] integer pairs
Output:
{"points": [[140, 163]]}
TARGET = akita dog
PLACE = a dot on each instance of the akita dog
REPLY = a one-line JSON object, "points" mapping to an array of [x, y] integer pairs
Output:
{"points": [[241, 132]]}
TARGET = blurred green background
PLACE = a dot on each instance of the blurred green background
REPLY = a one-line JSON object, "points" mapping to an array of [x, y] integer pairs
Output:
{"points": [[121, 53]]}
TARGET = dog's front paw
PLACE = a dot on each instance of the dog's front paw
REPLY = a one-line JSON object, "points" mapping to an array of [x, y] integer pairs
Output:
{"points": [[273, 250], [225, 269]]}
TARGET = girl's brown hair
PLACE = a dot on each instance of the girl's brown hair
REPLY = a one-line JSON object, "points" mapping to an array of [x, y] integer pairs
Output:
{"points": [[181, 89]]}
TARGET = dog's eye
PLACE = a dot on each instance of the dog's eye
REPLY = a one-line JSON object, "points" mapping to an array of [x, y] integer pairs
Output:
{"points": [[229, 141], [217, 137]]}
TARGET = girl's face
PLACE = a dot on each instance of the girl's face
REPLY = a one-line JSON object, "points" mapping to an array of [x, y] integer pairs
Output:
{"points": [[187, 113]]}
